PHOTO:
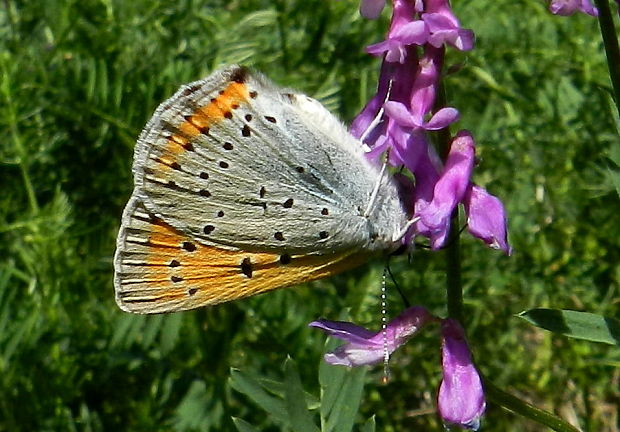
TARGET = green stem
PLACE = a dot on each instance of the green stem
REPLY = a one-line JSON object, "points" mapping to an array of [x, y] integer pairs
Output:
{"points": [[518, 406], [454, 285], [610, 41], [20, 151]]}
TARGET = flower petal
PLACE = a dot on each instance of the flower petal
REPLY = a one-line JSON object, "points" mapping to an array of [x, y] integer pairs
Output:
{"points": [[442, 118], [365, 347], [486, 219], [401, 115], [379, 48], [569, 7], [461, 395], [371, 9], [352, 355], [451, 187], [412, 33], [343, 330]]}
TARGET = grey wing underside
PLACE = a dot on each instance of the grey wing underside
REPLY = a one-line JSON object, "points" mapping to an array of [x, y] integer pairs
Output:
{"points": [[277, 171]]}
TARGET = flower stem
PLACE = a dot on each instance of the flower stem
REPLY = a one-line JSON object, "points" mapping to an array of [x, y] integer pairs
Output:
{"points": [[454, 286], [608, 32], [21, 151], [518, 406], [453, 270]]}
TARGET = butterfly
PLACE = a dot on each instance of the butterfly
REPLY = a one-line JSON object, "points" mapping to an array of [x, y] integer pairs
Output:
{"points": [[242, 187]]}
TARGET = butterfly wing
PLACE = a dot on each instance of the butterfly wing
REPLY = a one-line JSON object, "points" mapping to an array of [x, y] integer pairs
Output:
{"points": [[161, 269], [242, 188], [235, 161]]}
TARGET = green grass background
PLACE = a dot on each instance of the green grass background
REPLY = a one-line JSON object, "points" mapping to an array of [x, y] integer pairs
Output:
{"points": [[79, 79]]}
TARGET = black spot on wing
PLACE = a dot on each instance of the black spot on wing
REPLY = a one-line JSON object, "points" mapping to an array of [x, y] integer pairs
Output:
{"points": [[247, 267]]}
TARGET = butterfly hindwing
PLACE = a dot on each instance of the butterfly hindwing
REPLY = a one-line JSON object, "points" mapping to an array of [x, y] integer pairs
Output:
{"points": [[160, 269]]}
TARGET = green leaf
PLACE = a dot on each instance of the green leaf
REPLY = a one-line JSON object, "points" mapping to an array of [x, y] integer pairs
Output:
{"points": [[295, 399], [369, 426], [251, 387], [277, 388], [579, 325], [196, 410], [331, 381], [348, 402], [614, 176], [243, 426], [170, 332]]}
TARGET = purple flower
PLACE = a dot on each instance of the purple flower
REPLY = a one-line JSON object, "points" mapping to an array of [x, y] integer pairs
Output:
{"points": [[461, 396], [396, 120], [486, 218], [569, 7], [404, 118], [448, 191], [404, 32], [364, 347], [371, 9], [395, 46], [444, 28]]}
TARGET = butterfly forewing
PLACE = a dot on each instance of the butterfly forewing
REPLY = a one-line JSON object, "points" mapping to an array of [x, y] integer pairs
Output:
{"points": [[234, 163]]}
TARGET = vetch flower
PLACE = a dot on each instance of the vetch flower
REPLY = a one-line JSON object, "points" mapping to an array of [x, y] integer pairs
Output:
{"points": [[486, 218], [569, 7], [365, 347], [404, 32], [444, 28], [402, 116], [371, 9], [461, 397], [449, 190], [396, 122], [394, 47]]}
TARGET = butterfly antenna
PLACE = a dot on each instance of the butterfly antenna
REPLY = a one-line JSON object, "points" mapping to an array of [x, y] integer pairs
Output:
{"points": [[403, 232], [378, 118], [375, 192], [373, 124]]}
